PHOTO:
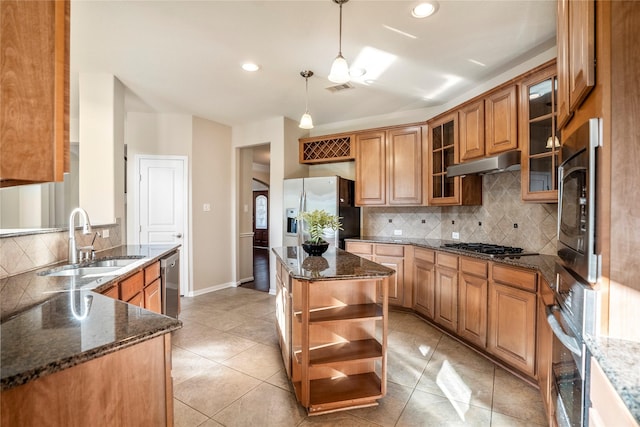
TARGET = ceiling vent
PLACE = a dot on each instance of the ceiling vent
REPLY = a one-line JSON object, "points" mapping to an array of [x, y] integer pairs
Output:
{"points": [[340, 87]]}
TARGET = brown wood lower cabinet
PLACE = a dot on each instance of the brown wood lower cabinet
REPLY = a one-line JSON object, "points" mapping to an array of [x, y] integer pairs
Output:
{"points": [[424, 291], [446, 310], [544, 350], [512, 326], [472, 301], [142, 289], [391, 256], [153, 297], [129, 387]]}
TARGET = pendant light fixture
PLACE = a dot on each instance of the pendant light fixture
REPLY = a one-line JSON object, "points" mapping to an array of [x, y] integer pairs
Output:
{"points": [[305, 121], [339, 69]]}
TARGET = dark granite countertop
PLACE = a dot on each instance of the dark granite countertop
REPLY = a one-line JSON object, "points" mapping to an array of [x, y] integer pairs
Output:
{"points": [[52, 323], [545, 264], [619, 360], [335, 264]]}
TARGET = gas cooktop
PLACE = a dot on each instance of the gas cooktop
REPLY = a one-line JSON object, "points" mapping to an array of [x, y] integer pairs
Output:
{"points": [[497, 251]]}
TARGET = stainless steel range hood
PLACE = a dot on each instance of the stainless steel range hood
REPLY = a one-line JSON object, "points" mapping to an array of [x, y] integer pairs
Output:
{"points": [[508, 161]]}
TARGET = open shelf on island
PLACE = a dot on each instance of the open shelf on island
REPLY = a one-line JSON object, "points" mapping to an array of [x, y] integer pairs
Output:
{"points": [[356, 351], [348, 312]]}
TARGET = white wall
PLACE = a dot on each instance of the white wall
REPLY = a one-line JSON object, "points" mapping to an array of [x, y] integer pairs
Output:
{"points": [[211, 230], [101, 132]]}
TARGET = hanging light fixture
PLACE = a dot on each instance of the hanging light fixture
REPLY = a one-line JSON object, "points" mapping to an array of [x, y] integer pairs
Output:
{"points": [[305, 121], [339, 69]]}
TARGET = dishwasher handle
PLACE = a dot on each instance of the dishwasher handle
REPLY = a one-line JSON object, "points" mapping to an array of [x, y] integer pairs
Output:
{"points": [[170, 261]]}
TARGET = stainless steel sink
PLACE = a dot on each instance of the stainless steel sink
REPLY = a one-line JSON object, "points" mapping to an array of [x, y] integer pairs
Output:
{"points": [[101, 267], [115, 262], [80, 271]]}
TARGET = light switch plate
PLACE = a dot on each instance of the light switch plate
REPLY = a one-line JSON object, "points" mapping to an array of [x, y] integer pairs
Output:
{"points": [[397, 232], [455, 235], [105, 233]]}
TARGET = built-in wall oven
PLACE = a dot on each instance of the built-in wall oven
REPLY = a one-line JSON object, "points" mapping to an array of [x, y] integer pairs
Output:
{"points": [[577, 201], [571, 317], [574, 313]]}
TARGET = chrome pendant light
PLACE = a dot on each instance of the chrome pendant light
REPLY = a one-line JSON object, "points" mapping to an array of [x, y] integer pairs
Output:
{"points": [[305, 121], [339, 69]]}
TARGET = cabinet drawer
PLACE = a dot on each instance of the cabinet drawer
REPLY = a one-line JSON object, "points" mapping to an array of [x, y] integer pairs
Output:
{"points": [[131, 286], [360, 248], [523, 279], [474, 267], [447, 260], [137, 300], [390, 250], [151, 273], [425, 255]]}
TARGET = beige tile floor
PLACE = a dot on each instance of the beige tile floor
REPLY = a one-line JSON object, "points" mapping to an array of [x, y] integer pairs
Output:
{"points": [[227, 371]]}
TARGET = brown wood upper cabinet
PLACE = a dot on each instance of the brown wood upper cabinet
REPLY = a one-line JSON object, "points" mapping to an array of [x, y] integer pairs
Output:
{"points": [[539, 137], [389, 167], [489, 125], [34, 96], [441, 152], [576, 55]]}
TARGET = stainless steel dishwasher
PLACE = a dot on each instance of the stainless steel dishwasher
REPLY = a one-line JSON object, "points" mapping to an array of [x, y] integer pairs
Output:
{"points": [[170, 280]]}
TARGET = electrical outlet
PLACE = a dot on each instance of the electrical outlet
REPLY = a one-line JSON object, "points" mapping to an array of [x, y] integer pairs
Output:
{"points": [[455, 235], [105, 233], [206, 207], [397, 232]]}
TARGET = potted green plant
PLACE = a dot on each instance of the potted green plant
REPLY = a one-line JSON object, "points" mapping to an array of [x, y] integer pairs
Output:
{"points": [[316, 222]]}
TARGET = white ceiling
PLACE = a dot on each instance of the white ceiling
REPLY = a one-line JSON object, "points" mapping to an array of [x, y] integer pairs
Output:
{"points": [[185, 56]]}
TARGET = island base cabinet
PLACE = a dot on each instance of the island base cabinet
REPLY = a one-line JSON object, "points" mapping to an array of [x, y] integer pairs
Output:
{"points": [[338, 343], [130, 387], [512, 326]]}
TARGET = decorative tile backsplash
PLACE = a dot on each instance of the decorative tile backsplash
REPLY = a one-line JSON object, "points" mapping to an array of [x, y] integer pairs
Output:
{"points": [[19, 254], [502, 219]]}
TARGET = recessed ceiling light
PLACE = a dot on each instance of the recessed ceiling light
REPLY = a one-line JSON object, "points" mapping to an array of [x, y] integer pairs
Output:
{"points": [[250, 66], [424, 9]]}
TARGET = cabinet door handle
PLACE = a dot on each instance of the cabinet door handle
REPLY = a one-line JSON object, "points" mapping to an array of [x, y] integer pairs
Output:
{"points": [[178, 235]]}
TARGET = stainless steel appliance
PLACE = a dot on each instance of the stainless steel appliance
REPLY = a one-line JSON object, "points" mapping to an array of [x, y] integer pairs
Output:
{"points": [[571, 318], [577, 202], [334, 194], [170, 282], [494, 251]]}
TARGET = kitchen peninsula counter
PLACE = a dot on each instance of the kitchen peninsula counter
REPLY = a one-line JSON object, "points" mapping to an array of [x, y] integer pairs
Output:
{"points": [[49, 325]]}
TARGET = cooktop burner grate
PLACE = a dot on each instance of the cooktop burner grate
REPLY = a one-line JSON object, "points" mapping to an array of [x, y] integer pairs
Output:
{"points": [[488, 249]]}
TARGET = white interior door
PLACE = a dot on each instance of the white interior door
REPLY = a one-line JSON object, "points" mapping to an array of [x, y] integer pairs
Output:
{"points": [[163, 206]]}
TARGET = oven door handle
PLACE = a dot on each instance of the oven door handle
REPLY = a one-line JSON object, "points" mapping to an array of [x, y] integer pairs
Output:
{"points": [[570, 342]]}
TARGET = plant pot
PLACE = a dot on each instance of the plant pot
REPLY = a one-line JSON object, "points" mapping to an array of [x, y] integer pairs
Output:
{"points": [[315, 249]]}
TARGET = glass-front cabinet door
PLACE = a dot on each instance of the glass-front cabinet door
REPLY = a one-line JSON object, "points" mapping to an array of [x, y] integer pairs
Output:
{"points": [[539, 137], [443, 147]]}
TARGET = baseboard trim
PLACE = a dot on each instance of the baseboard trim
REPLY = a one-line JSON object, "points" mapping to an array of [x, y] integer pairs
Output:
{"points": [[211, 289], [245, 280]]}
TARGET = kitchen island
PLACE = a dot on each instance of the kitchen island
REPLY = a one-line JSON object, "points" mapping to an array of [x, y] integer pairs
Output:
{"points": [[331, 316], [71, 356]]}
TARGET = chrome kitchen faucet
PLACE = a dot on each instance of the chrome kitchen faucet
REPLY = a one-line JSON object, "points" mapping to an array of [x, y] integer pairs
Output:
{"points": [[86, 229]]}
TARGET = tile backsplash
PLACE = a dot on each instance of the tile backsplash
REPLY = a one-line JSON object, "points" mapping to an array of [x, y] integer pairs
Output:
{"points": [[502, 219], [19, 254]]}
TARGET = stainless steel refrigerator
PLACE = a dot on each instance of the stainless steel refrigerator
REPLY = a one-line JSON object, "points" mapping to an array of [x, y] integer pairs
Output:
{"points": [[331, 193]]}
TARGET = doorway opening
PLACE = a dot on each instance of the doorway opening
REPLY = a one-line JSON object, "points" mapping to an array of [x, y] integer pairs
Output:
{"points": [[258, 194]]}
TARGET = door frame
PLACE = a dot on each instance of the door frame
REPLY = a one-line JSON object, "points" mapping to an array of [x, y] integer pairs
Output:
{"points": [[185, 260]]}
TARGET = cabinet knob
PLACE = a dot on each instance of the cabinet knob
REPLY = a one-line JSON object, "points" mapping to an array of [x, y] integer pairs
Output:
{"points": [[178, 235]]}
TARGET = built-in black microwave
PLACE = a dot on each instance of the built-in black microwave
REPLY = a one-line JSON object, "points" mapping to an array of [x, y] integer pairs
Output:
{"points": [[577, 201]]}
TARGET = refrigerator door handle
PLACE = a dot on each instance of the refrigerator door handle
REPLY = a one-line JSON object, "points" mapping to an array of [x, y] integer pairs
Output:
{"points": [[302, 202]]}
